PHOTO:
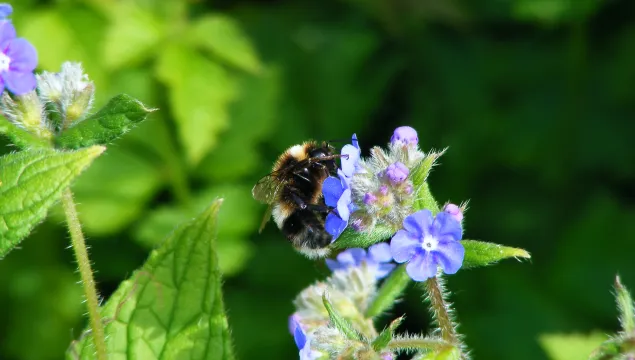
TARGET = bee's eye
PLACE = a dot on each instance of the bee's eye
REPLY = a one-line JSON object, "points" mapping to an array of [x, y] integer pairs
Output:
{"points": [[317, 153]]}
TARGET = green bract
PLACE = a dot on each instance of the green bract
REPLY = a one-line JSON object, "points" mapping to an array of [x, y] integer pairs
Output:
{"points": [[172, 307], [31, 181], [120, 115]]}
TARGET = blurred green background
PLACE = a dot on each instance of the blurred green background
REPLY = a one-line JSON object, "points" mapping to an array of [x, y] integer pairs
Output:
{"points": [[535, 99]]}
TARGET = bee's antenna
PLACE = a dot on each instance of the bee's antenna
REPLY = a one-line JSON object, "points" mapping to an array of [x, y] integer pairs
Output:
{"points": [[338, 141]]}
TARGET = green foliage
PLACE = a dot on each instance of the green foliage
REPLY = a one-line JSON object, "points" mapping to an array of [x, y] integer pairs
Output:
{"points": [[350, 238], [625, 307], [118, 117], [173, 303], [339, 322], [389, 291], [20, 136], [32, 181], [479, 253], [570, 346], [382, 340]]}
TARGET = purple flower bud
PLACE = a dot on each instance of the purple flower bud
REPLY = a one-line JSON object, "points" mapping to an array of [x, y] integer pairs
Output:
{"points": [[404, 135], [383, 190], [369, 198], [408, 189], [397, 173], [455, 211]]}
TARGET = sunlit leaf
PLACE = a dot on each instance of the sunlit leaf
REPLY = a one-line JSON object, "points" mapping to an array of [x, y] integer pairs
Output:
{"points": [[570, 346], [172, 307], [132, 36], [224, 37], [30, 182], [479, 253], [200, 92]]}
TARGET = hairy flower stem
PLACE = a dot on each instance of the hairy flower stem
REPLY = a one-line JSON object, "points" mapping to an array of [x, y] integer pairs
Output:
{"points": [[86, 273], [417, 344], [441, 311]]}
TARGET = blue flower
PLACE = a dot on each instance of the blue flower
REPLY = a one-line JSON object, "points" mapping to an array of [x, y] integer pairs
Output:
{"points": [[18, 59], [5, 10], [404, 135], [426, 242], [337, 194], [378, 258], [301, 340]]}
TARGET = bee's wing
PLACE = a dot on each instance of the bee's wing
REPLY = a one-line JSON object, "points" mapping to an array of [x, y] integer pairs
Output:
{"points": [[266, 190], [265, 218]]}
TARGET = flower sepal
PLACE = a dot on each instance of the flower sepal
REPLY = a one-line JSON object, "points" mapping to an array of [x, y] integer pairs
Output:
{"points": [[25, 122], [340, 323], [480, 253], [382, 340]]}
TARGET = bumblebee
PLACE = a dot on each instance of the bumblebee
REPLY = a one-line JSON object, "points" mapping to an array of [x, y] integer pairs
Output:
{"points": [[293, 191]]}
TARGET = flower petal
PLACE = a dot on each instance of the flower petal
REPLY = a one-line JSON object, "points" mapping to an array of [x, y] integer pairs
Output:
{"points": [[332, 190], [422, 267], [384, 269], [445, 224], [352, 257], [334, 265], [5, 10], [354, 141], [450, 256], [22, 54], [349, 163], [19, 82], [418, 224], [299, 337], [380, 252], [293, 322], [334, 225], [343, 205], [403, 246], [7, 32]]}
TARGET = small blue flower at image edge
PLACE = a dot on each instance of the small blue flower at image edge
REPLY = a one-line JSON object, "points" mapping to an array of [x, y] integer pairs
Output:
{"points": [[426, 242], [301, 341], [378, 258], [5, 10], [337, 192], [18, 58]]}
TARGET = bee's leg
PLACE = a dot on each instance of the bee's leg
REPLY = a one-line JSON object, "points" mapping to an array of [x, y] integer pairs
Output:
{"points": [[313, 207]]}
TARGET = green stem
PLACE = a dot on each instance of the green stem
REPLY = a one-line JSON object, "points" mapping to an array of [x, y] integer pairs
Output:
{"points": [[417, 343], [392, 288], [88, 283], [441, 311]]}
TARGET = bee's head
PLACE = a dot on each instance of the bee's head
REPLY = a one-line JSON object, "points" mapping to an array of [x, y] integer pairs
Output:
{"points": [[324, 151]]}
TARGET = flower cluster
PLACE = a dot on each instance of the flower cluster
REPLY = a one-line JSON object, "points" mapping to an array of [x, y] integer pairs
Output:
{"points": [[384, 191]]}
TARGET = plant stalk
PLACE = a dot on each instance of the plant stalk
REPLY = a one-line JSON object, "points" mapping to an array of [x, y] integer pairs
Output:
{"points": [[441, 312], [86, 273]]}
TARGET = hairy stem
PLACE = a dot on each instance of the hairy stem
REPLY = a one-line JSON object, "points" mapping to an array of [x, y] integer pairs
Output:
{"points": [[441, 311], [415, 343], [86, 273]]}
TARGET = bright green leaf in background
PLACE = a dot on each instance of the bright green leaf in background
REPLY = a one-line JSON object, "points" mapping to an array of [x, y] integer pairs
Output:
{"points": [[239, 218], [571, 346], [172, 308], [479, 253], [132, 36], [200, 92], [30, 182], [119, 116], [223, 37]]}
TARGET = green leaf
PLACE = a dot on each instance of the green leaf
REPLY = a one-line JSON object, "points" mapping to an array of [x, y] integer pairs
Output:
{"points": [[118, 117], [133, 36], [120, 185], [21, 137], [390, 290], [200, 92], [343, 325], [479, 253], [425, 200], [625, 306], [447, 353], [223, 37], [30, 182], [382, 340], [172, 308], [238, 220], [350, 238], [570, 346]]}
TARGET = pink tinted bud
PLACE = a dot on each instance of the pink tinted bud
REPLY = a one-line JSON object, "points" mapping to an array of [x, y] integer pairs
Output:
{"points": [[397, 173], [455, 211], [383, 190], [369, 198], [404, 135]]}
